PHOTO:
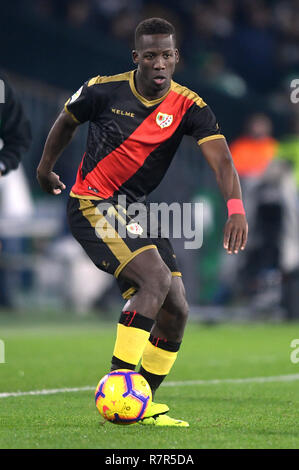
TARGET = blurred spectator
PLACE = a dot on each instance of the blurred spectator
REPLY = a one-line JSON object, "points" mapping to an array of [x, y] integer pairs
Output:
{"points": [[254, 45], [44, 8], [111, 8], [79, 13], [118, 17], [215, 71], [269, 270], [152, 9], [288, 151], [289, 147], [123, 25], [202, 37], [286, 18], [253, 151], [15, 138], [15, 133], [214, 19]]}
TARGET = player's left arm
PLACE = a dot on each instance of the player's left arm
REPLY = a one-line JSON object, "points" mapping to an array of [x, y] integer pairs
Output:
{"points": [[217, 154]]}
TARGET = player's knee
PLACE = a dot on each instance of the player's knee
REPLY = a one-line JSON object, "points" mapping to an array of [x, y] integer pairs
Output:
{"points": [[180, 313], [183, 309], [179, 305], [158, 281]]}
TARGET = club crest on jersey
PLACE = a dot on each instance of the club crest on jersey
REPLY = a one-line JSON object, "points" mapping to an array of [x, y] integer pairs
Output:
{"points": [[164, 120], [135, 228]]}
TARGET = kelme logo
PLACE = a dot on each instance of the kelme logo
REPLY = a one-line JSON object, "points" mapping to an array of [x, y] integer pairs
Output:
{"points": [[164, 120]]}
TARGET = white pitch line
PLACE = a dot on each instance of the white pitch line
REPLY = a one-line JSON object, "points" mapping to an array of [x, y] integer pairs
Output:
{"points": [[50, 391], [275, 378]]}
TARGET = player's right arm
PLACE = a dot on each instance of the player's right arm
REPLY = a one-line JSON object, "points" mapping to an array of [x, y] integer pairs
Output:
{"points": [[77, 110], [59, 137]]}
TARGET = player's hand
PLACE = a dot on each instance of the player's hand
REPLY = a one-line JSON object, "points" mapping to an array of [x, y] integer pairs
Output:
{"points": [[50, 183], [235, 233]]}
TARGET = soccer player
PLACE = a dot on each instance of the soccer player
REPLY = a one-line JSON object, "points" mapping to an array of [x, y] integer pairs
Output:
{"points": [[136, 122]]}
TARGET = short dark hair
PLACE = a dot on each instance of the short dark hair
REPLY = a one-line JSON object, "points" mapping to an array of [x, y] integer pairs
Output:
{"points": [[153, 26]]}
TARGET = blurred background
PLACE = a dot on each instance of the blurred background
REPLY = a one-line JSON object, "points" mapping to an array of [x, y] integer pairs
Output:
{"points": [[242, 57]]}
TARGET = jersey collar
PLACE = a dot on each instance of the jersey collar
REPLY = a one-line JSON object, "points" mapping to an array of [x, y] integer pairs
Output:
{"points": [[141, 98]]}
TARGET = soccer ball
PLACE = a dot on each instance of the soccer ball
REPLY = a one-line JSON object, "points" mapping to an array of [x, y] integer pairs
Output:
{"points": [[123, 396]]}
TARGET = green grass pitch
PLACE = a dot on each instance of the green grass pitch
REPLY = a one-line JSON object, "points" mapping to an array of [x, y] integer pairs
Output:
{"points": [[44, 355]]}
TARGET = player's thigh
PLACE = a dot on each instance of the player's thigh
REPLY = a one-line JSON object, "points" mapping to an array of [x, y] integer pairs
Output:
{"points": [[164, 259], [146, 268]]}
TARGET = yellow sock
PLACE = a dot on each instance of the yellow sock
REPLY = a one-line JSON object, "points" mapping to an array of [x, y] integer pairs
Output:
{"points": [[156, 360], [133, 331]]}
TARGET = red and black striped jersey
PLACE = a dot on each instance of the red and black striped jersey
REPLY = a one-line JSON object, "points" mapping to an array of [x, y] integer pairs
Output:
{"points": [[131, 140]]}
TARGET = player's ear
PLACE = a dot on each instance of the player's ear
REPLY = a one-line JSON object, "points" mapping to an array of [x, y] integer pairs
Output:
{"points": [[177, 55], [135, 57]]}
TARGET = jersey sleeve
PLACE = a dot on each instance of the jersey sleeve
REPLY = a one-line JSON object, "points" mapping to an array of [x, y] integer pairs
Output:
{"points": [[202, 124], [80, 104]]}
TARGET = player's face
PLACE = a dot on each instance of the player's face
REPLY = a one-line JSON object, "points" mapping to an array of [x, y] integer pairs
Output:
{"points": [[156, 58]]}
